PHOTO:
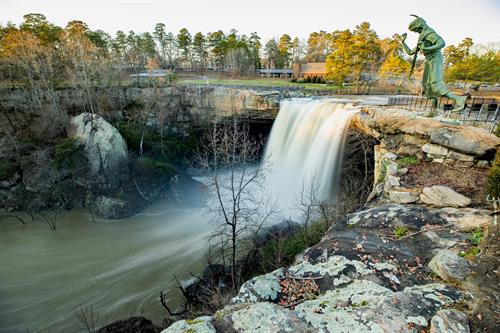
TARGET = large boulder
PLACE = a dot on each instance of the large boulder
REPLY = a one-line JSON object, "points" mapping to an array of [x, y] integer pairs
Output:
{"points": [[114, 208], [361, 277], [450, 267], [104, 146], [443, 196], [449, 321]]}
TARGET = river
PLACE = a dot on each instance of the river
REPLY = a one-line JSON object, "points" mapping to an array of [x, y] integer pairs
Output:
{"points": [[117, 268]]}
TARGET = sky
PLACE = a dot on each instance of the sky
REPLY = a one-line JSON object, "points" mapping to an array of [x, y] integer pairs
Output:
{"points": [[452, 19]]}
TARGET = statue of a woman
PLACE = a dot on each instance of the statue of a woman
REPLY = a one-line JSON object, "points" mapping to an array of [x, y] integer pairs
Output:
{"points": [[430, 44]]}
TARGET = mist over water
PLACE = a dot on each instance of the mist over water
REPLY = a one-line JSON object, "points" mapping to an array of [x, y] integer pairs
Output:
{"points": [[118, 268], [305, 149]]}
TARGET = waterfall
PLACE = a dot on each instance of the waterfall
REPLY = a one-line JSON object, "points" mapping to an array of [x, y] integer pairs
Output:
{"points": [[305, 149]]}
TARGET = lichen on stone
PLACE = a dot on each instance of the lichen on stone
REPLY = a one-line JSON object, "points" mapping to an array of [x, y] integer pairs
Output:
{"points": [[260, 288], [198, 325], [264, 318], [333, 267]]}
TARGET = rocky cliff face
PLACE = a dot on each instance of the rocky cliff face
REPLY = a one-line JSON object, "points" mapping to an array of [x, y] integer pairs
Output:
{"points": [[397, 264], [183, 103]]}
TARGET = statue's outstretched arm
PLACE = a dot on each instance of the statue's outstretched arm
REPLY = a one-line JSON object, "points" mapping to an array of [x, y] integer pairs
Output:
{"points": [[405, 47]]}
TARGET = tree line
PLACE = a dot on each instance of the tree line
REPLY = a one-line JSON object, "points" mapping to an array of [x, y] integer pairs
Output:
{"points": [[38, 49], [469, 62]]}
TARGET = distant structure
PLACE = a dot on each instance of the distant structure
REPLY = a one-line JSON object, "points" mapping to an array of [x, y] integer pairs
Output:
{"points": [[153, 73], [310, 69], [298, 71], [276, 72]]}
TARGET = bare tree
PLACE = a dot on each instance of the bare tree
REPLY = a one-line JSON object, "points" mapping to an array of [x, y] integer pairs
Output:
{"points": [[87, 319], [12, 216], [50, 220], [309, 204], [235, 181]]}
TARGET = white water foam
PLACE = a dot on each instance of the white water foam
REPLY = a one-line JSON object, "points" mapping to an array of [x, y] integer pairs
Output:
{"points": [[305, 149]]}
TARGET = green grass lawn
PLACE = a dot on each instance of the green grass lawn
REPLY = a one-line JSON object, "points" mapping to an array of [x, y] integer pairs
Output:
{"points": [[260, 82], [256, 82]]}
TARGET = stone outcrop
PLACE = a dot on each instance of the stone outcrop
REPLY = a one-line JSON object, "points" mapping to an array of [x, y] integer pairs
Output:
{"points": [[427, 132], [359, 278], [104, 146], [433, 149], [185, 103], [450, 267], [449, 321]]}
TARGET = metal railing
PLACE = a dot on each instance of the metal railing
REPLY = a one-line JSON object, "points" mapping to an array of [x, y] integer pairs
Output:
{"points": [[477, 109]]}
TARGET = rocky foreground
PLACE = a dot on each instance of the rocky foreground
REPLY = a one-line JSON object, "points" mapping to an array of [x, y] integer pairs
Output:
{"points": [[363, 278], [419, 257]]}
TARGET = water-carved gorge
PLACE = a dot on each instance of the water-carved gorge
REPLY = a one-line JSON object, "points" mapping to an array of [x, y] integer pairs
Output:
{"points": [[390, 266]]}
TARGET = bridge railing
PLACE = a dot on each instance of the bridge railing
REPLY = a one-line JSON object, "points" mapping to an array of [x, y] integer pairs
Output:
{"points": [[477, 109]]}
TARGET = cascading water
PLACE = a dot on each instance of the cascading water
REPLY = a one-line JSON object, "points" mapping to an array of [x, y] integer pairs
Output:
{"points": [[305, 149]]}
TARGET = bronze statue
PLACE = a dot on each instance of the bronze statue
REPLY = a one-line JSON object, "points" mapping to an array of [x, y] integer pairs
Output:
{"points": [[430, 44]]}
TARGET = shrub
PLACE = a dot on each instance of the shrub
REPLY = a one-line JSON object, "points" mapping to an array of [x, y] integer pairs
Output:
{"points": [[493, 179], [151, 166], [476, 235], [7, 169], [300, 81], [473, 251], [282, 251], [407, 161], [68, 153], [172, 147], [400, 231]]}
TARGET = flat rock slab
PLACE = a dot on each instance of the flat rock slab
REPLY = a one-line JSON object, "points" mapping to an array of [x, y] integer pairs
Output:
{"points": [[132, 324], [402, 197], [443, 196], [465, 218], [466, 139]]}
